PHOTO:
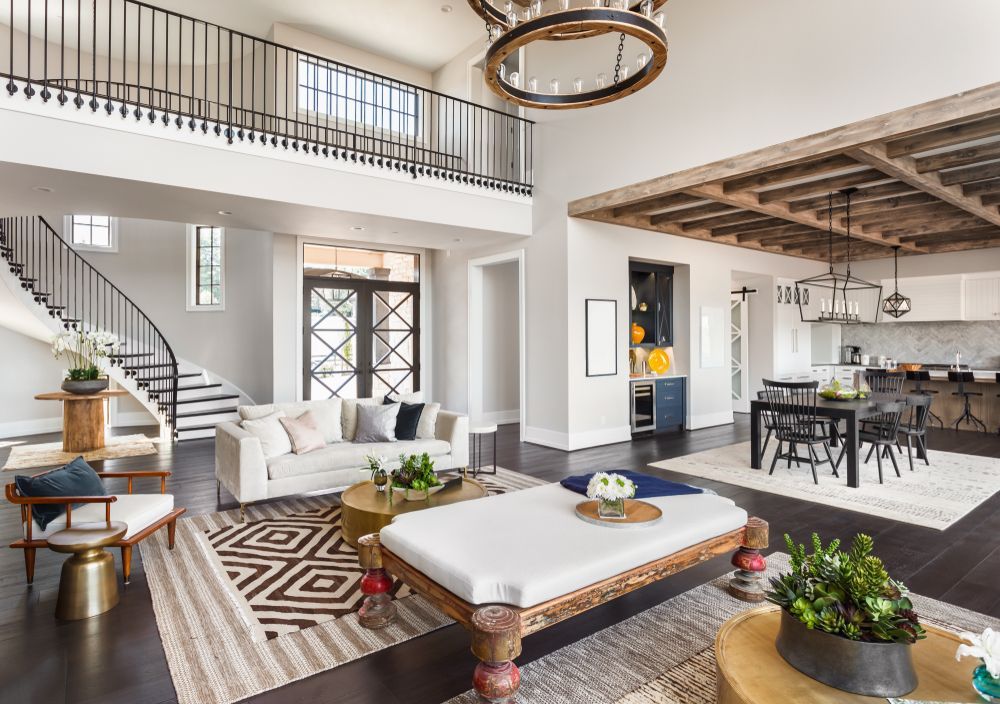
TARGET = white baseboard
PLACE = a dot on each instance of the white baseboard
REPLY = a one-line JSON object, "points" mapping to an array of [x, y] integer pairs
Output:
{"points": [[500, 417], [134, 418], [35, 426], [710, 420], [577, 441]]}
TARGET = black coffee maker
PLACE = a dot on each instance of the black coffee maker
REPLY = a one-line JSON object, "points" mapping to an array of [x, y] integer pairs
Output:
{"points": [[850, 354]]}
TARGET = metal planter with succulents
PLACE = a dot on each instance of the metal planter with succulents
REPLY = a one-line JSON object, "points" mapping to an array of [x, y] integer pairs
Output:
{"points": [[844, 621]]}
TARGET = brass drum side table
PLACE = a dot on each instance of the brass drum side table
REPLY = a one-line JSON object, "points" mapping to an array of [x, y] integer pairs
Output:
{"points": [[88, 586]]}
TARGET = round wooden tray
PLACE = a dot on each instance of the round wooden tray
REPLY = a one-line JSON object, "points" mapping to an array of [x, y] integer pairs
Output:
{"points": [[638, 514]]}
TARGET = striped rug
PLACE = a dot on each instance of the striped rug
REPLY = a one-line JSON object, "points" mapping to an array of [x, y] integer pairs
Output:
{"points": [[665, 654], [214, 648]]}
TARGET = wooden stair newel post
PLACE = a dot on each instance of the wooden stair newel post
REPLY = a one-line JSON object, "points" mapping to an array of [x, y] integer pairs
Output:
{"points": [[378, 609], [749, 563], [496, 641]]}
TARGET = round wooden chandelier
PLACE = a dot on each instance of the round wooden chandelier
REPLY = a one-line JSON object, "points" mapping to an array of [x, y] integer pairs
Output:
{"points": [[520, 23]]}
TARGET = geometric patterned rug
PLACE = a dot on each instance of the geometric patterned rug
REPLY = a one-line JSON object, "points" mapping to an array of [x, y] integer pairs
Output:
{"points": [[292, 572]]}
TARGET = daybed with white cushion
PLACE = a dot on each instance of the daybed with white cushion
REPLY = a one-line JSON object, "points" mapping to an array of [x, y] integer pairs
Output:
{"points": [[541, 564], [245, 469]]}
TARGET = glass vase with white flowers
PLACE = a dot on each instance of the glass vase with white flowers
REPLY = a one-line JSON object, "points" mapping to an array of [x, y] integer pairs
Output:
{"points": [[986, 647], [377, 467], [610, 491], [85, 352]]}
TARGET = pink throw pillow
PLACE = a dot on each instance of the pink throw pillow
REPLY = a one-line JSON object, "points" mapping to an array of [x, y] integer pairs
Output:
{"points": [[303, 433]]}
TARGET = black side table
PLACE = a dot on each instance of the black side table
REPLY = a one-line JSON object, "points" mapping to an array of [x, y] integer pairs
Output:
{"points": [[476, 451]]}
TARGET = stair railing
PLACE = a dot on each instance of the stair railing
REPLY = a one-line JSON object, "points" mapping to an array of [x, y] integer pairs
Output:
{"points": [[84, 300], [134, 61]]}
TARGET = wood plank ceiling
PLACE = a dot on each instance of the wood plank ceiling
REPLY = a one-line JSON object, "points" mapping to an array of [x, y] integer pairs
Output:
{"points": [[928, 180]]}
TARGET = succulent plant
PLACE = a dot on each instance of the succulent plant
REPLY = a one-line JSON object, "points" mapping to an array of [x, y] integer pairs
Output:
{"points": [[849, 594]]}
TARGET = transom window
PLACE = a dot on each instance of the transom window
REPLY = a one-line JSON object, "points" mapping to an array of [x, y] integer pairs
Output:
{"points": [[97, 232], [357, 98], [206, 253]]}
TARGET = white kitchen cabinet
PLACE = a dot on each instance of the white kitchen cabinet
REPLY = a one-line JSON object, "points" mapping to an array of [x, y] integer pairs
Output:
{"points": [[792, 341], [982, 297], [932, 298]]}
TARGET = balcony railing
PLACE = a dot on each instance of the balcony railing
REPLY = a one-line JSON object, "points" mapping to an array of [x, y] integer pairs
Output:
{"points": [[137, 62]]}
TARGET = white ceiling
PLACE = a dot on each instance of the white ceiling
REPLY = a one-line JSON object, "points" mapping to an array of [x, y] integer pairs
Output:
{"points": [[415, 32]]}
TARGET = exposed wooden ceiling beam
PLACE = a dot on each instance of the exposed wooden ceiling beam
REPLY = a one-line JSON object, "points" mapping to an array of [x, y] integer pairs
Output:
{"points": [[978, 103], [981, 172], [823, 185], [767, 223], [915, 213], [748, 201], [944, 137], [981, 187], [723, 220], [652, 205], [781, 234], [960, 157], [836, 162], [963, 223], [763, 234], [880, 206], [873, 193], [974, 232], [685, 214], [964, 245], [904, 169], [967, 236]]}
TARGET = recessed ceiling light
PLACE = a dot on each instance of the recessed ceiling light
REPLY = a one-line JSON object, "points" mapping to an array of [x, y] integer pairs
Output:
{"points": [[446, 9], [457, 239], [43, 189], [358, 228], [225, 212]]}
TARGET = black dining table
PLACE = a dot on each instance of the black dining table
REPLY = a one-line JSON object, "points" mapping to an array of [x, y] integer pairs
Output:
{"points": [[852, 412]]}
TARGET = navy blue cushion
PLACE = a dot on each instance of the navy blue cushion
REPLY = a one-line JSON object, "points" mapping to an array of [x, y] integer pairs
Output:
{"points": [[407, 419], [646, 485], [75, 479]]}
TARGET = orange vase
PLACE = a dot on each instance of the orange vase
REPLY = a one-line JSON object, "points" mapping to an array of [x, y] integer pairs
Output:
{"points": [[638, 333]]}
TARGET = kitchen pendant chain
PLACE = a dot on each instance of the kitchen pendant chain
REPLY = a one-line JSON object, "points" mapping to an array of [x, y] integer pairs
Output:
{"points": [[618, 61]]}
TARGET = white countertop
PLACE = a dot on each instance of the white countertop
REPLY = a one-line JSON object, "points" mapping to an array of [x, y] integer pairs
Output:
{"points": [[654, 377], [980, 374]]}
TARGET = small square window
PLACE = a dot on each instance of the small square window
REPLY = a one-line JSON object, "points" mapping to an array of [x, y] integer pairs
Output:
{"points": [[98, 233]]}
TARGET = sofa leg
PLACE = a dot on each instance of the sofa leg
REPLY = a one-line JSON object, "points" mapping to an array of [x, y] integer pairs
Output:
{"points": [[126, 563], [171, 532], [29, 564], [496, 641], [218, 491], [243, 513]]}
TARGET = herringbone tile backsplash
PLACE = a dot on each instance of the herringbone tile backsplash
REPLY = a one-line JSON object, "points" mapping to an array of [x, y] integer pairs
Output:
{"points": [[930, 343]]}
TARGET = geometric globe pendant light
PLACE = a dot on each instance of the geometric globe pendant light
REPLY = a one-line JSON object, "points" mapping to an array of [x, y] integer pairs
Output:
{"points": [[512, 26], [896, 304]]}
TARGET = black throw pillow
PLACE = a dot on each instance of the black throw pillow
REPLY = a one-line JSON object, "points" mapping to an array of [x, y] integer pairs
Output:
{"points": [[408, 418], [75, 479]]}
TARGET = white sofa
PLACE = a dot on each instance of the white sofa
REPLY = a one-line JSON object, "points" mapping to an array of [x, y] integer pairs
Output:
{"points": [[242, 468]]}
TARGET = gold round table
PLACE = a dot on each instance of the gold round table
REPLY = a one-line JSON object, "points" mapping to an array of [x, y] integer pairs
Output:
{"points": [[365, 510], [88, 585], [750, 670]]}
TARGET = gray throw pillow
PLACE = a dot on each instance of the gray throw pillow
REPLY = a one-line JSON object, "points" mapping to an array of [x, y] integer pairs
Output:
{"points": [[377, 423]]}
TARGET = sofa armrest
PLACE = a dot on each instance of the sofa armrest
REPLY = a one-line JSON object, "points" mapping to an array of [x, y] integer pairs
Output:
{"points": [[453, 428], [239, 463]]}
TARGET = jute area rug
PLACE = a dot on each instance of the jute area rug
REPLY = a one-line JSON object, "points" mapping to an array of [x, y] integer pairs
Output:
{"points": [[50, 454], [665, 655], [935, 496], [245, 608]]}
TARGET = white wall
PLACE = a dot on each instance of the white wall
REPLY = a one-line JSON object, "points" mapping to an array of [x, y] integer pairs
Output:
{"points": [[30, 369], [500, 362]]}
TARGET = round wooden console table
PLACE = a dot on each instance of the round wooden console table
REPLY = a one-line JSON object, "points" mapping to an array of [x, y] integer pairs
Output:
{"points": [[750, 670], [83, 418]]}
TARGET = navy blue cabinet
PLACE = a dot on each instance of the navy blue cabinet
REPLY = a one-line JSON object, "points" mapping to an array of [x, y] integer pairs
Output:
{"points": [[670, 403]]}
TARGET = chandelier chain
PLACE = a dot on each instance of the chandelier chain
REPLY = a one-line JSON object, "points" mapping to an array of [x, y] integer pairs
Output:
{"points": [[618, 61], [848, 194], [829, 210]]}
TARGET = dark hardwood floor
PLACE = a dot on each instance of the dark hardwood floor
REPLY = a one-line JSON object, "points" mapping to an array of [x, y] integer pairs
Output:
{"points": [[117, 657]]}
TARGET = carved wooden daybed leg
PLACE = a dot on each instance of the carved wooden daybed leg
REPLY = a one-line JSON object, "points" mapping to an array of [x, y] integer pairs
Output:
{"points": [[496, 641], [749, 563], [378, 609]]}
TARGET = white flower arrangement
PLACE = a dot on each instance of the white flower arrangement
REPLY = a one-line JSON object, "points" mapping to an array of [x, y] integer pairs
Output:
{"points": [[610, 487], [84, 350], [985, 646]]}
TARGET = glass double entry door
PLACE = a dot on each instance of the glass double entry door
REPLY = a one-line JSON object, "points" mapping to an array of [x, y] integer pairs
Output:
{"points": [[361, 338]]}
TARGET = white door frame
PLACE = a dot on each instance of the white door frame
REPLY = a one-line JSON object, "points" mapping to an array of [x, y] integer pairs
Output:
{"points": [[741, 405], [475, 330]]}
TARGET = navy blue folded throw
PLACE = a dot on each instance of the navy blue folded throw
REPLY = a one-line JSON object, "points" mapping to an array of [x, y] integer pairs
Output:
{"points": [[646, 486]]}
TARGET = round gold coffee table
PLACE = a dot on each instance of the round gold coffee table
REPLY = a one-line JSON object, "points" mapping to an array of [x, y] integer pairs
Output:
{"points": [[750, 670], [88, 585], [365, 510]]}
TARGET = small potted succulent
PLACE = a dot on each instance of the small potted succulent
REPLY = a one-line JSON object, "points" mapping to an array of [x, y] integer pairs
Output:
{"points": [[379, 475], [610, 491], [84, 351], [844, 621], [415, 479], [986, 677]]}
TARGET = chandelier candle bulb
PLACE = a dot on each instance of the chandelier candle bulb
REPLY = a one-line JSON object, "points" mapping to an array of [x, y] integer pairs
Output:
{"points": [[533, 84], [578, 85], [515, 79], [659, 19], [563, 4], [623, 73], [602, 79], [536, 8], [640, 62], [554, 86]]}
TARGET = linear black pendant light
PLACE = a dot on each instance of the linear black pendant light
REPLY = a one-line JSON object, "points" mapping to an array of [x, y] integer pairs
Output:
{"points": [[896, 304]]}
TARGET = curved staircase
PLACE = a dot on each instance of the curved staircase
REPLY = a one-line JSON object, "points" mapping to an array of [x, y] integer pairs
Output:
{"points": [[67, 293]]}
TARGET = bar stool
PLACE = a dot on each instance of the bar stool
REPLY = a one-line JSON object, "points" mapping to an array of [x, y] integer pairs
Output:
{"points": [[962, 378], [918, 378]]}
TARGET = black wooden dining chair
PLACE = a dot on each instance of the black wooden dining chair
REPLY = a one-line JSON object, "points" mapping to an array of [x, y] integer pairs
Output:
{"points": [[768, 421], [793, 410], [885, 382], [913, 426], [882, 434]]}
